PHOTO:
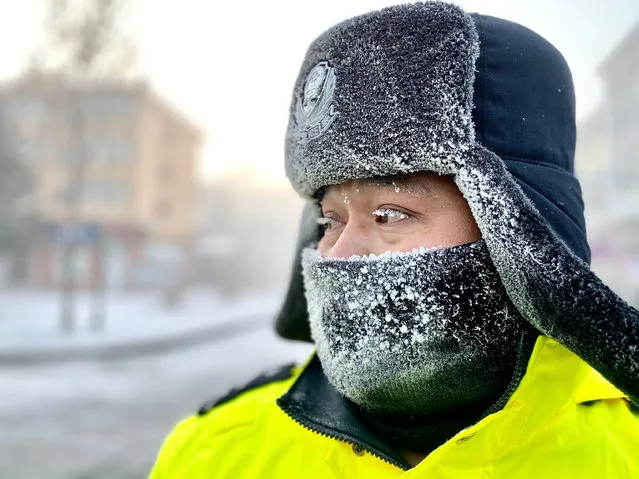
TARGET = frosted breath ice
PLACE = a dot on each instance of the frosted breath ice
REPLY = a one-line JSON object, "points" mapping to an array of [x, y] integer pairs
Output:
{"points": [[412, 332]]}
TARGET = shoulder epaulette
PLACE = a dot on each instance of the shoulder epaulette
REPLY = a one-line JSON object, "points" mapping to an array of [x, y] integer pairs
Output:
{"points": [[279, 374]]}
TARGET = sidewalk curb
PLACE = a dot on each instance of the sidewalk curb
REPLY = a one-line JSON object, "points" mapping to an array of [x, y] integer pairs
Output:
{"points": [[129, 349]]}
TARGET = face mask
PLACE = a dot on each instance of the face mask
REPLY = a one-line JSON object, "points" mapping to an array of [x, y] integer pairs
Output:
{"points": [[412, 333]]}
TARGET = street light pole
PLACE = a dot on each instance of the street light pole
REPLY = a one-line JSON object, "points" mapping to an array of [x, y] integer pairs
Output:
{"points": [[97, 319]]}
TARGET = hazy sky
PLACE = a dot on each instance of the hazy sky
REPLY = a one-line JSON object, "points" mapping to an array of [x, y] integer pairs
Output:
{"points": [[230, 65]]}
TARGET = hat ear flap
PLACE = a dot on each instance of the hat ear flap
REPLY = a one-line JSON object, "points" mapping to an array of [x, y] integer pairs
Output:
{"points": [[292, 320], [552, 288]]}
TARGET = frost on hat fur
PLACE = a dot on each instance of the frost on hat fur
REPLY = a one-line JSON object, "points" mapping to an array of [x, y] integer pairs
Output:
{"points": [[416, 80], [401, 102]]}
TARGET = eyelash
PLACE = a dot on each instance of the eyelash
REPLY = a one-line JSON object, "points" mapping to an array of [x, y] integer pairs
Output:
{"points": [[326, 221], [390, 212]]}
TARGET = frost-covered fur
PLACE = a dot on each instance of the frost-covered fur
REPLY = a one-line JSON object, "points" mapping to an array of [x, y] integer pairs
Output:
{"points": [[553, 289], [292, 321], [413, 332], [414, 66]]}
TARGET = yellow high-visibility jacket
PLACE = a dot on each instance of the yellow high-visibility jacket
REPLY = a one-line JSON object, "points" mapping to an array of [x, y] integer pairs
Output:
{"points": [[563, 421]]}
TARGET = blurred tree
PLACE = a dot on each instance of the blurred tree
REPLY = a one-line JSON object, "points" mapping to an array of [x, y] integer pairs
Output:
{"points": [[17, 227], [85, 41], [84, 45]]}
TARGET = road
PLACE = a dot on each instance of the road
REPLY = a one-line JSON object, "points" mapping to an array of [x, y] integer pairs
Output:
{"points": [[107, 419]]}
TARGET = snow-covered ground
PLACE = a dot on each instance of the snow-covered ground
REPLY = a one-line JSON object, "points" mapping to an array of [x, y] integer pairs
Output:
{"points": [[107, 419], [29, 320]]}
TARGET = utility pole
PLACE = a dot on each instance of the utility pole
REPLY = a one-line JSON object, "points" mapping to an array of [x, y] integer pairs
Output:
{"points": [[75, 166], [97, 320]]}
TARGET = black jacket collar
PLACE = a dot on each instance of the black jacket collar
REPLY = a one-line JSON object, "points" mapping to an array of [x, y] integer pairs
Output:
{"points": [[315, 404]]}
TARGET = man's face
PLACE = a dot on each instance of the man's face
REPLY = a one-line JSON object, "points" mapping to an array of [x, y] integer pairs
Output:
{"points": [[363, 217]]}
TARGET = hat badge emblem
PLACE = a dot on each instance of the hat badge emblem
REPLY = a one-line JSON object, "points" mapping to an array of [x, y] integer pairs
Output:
{"points": [[314, 110]]}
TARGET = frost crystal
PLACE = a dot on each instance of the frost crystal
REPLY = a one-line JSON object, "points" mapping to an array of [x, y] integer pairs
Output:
{"points": [[402, 331]]}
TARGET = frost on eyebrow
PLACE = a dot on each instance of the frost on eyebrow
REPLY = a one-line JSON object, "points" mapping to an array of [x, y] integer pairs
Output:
{"points": [[413, 184]]}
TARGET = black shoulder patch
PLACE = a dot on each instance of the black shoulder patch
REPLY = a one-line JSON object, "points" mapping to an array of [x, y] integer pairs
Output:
{"points": [[278, 374]]}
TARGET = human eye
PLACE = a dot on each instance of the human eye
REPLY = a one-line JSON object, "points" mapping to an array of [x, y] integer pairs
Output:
{"points": [[328, 222], [389, 215]]}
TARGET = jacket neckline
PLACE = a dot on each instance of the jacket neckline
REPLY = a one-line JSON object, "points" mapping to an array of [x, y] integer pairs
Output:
{"points": [[553, 379], [313, 402]]}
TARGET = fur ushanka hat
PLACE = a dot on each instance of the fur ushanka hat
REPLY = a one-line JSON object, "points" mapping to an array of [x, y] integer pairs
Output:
{"points": [[427, 87]]}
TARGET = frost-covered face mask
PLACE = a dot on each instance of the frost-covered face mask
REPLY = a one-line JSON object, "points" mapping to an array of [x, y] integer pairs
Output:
{"points": [[412, 333]]}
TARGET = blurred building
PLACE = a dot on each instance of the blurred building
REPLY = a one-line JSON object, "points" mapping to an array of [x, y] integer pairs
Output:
{"points": [[593, 159], [131, 160], [247, 234], [607, 160], [620, 73]]}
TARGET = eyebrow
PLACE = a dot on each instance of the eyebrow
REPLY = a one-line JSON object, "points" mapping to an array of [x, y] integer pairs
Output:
{"points": [[410, 183]]}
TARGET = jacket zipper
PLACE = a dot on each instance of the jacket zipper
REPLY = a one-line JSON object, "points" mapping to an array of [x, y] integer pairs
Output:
{"points": [[520, 370], [330, 433]]}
